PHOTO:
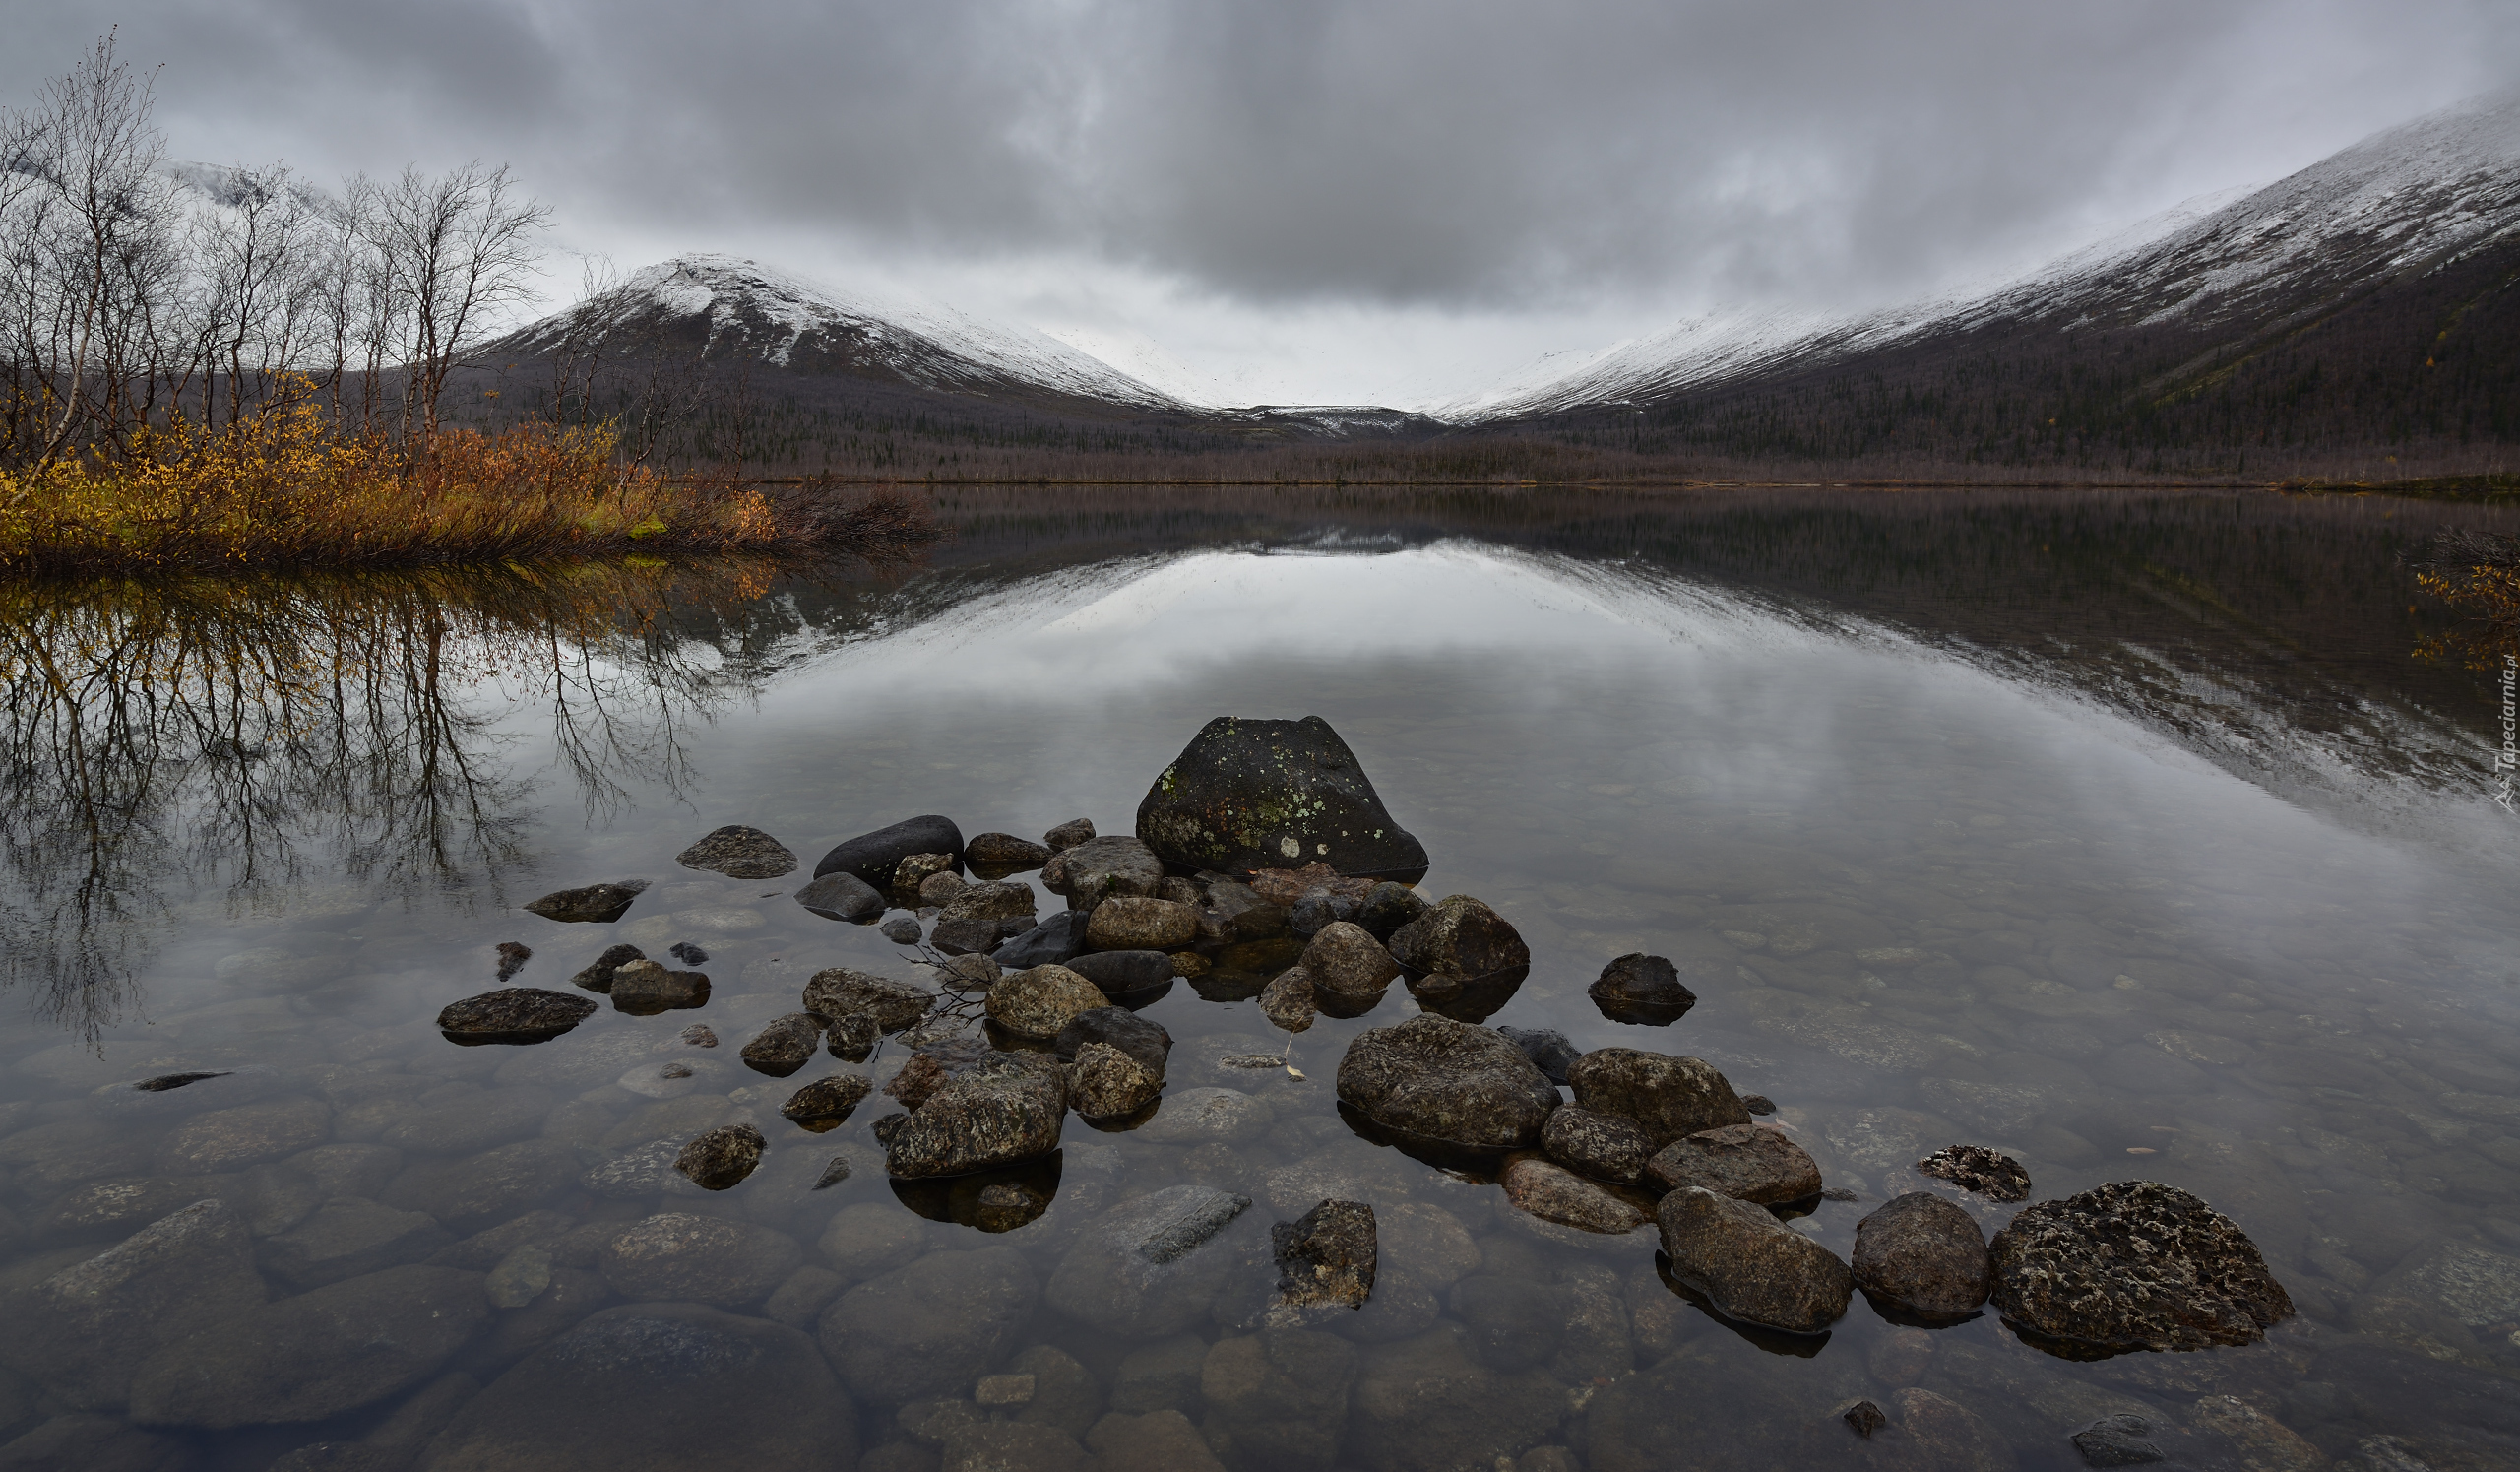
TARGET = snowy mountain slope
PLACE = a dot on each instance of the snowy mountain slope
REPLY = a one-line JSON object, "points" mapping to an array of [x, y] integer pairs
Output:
{"points": [[723, 303], [2405, 200]]}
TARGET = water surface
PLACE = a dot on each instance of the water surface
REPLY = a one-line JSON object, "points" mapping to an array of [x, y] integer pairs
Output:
{"points": [[2124, 832]]}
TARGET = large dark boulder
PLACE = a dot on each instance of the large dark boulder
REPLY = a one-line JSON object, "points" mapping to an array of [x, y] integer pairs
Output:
{"points": [[1247, 794], [657, 1388], [2134, 1264], [1924, 1255], [1750, 1265], [1668, 1097], [1439, 1079], [871, 856]]}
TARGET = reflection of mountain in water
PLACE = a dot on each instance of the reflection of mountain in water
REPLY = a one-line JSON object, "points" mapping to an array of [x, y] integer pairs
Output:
{"points": [[259, 737]]}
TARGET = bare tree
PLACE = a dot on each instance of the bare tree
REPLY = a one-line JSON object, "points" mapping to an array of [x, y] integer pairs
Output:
{"points": [[461, 246]]}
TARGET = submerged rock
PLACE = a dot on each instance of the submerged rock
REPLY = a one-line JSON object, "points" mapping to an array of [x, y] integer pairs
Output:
{"points": [[924, 1329], [319, 1354], [1101, 868], [1043, 1001], [646, 1387], [1460, 936], [826, 1101], [1555, 1193], [1978, 1169], [721, 1158], [784, 1045], [80, 1333], [739, 852], [1641, 988], [1326, 1257], [840, 992], [1004, 853], [1668, 1097], [594, 904], [842, 896], [513, 1014], [1747, 1162], [1053, 942], [1005, 1108], [1150, 1267], [1924, 1255], [675, 1255], [1444, 1080], [871, 857], [1750, 1265], [1252, 794], [2134, 1265], [597, 975], [1603, 1147]]}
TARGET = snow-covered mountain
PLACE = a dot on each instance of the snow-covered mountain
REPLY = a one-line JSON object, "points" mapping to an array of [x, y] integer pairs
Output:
{"points": [[725, 304], [2407, 200]]}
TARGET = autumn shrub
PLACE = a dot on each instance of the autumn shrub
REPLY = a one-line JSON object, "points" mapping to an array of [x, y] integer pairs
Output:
{"points": [[2477, 574]]}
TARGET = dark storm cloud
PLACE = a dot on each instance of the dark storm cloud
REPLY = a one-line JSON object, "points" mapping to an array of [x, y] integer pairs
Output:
{"points": [[1447, 152]]}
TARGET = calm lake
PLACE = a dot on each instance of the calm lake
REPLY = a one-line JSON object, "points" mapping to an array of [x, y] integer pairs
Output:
{"points": [[2141, 836]]}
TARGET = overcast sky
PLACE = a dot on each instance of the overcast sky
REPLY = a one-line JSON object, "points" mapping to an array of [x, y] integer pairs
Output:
{"points": [[1309, 202]]}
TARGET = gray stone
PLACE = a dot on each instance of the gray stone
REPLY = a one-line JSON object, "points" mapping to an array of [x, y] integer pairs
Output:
{"points": [[1122, 973], [1253, 794], [592, 904], [1345, 959], [1547, 1048], [1150, 1267], [1004, 1108], [1974, 1167], [1554, 1195], [675, 1255], [316, 1356], [478, 1191], [1326, 1257], [597, 975], [228, 1139], [826, 1101], [1130, 923], [1056, 941], [868, 1239], [1009, 899], [1043, 1001], [1004, 853], [1668, 1097], [1104, 1083], [924, 1328], [1439, 1079], [347, 1238], [992, 1446], [657, 1388], [1460, 936], [1924, 1255], [785, 1044], [80, 1333], [1424, 1405], [901, 930], [1386, 906], [841, 992], [2121, 1440], [1068, 835], [1514, 1323], [93, 1444], [643, 989], [519, 1278], [1641, 988], [842, 897], [854, 1037], [471, 1124], [1160, 1376], [1750, 1265], [2134, 1265], [1161, 1441], [1101, 868], [1288, 1001], [1747, 1162], [638, 1173], [916, 870], [720, 1159], [739, 852], [1602, 1146], [871, 857], [1143, 1040], [939, 888]]}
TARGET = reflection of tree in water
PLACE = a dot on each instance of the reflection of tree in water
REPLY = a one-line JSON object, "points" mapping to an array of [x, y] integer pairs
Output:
{"points": [[257, 734]]}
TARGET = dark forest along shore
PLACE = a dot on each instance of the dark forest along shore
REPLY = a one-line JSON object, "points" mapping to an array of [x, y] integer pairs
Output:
{"points": [[1745, 1018]]}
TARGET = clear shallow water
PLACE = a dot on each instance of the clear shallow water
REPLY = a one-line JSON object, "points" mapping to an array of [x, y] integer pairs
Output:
{"points": [[2122, 833]]}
